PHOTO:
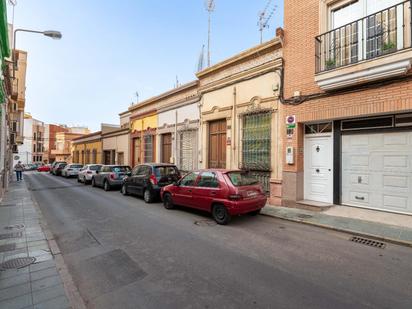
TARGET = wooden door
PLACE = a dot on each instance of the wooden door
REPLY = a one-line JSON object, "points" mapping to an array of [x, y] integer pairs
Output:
{"points": [[217, 144], [136, 151], [166, 147]]}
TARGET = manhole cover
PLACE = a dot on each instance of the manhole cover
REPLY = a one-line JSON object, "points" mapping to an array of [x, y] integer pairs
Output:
{"points": [[368, 242], [15, 226], [7, 247], [17, 263], [304, 216], [205, 223], [11, 235]]}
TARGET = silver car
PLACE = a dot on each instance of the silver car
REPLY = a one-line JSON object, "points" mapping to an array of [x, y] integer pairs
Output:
{"points": [[71, 170], [87, 172]]}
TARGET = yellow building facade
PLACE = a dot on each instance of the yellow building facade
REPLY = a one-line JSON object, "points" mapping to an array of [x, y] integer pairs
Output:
{"points": [[87, 149]]}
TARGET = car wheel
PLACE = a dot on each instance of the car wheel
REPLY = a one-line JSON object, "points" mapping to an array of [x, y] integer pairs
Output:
{"points": [[255, 213], [168, 201], [84, 181], [93, 182], [78, 179], [220, 214], [147, 196], [106, 186], [124, 190]]}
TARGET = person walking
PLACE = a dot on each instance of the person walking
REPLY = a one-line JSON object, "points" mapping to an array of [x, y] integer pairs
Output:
{"points": [[19, 170]]}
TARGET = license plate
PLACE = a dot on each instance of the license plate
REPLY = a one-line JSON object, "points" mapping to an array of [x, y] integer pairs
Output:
{"points": [[251, 194]]}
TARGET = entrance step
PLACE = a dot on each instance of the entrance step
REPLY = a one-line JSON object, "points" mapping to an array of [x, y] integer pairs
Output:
{"points": [[313, 205]]}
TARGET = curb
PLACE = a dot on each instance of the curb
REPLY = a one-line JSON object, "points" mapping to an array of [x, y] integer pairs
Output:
{"points": [[72, 293], [346, 231]]}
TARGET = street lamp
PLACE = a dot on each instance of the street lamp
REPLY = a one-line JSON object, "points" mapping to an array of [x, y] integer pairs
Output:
{"points": [[55, 35]]}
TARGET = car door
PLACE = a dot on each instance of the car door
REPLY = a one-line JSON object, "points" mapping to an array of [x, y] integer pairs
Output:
{"points": [[100, 176], [184, 190], [130, 181], [207, 190], [141, 178]]}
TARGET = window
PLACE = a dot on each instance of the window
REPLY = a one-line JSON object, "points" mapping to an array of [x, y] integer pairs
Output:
{"points": [[240, 179], [34, 148], [144, 170], [189, 180], [256, 137], [208, 180], [318, 128], [120, 169], [94, 156], [161, 171], [148, 148]]}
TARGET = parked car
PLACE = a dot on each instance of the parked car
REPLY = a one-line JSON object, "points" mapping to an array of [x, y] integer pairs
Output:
{"points": [[110, 176], [71, 170], [87, 172], [54, 165], [44, 168], [147, 179], [223, 193], [58, 168]]}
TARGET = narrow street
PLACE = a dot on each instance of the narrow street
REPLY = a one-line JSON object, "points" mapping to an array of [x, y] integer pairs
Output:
{"points": [[123, 253]]}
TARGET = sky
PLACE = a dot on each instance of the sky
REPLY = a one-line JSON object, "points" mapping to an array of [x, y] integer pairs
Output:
{"points": [[111, 49]]}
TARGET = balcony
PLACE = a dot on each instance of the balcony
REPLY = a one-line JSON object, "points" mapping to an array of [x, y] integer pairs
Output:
{"points": [[375, 47]]}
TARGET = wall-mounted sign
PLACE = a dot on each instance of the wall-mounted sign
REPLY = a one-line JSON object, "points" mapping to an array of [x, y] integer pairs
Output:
{"points": [[228, 141], [291, 122]]}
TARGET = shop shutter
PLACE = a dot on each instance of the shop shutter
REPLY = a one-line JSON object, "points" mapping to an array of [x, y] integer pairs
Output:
{"points": [[188, 146]]}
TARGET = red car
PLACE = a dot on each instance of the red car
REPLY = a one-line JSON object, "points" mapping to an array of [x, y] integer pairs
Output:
{"points": [[44, 168], [223, 193]]}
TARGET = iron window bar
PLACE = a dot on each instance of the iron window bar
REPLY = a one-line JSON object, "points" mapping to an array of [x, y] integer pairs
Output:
{"points": [[382, 33]]}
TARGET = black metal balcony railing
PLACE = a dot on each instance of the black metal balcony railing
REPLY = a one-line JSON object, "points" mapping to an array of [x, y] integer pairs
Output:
{"points": [[382, 33]]}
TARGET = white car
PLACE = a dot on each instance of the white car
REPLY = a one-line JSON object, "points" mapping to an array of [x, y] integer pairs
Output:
{"points": [[71, 170], [87, 172]]}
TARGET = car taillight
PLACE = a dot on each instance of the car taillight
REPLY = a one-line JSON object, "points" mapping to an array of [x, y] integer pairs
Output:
{"points": [[112, 176], [235, 197], [153, 180]]}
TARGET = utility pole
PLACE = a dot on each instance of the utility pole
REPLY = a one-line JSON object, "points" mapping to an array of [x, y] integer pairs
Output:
{"points": [[210, 7]]}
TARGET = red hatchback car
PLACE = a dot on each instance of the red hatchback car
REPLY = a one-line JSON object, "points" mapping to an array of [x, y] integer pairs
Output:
{"points": [[44, 168], [223, 193]]}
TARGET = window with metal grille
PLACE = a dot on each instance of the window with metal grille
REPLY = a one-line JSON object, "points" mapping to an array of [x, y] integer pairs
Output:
{"points": [[148, 148], [256, 135]]}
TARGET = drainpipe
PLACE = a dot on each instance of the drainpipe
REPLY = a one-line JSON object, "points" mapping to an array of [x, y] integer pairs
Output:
{"points": [[199, 105], [175, 154], [234, 128]]}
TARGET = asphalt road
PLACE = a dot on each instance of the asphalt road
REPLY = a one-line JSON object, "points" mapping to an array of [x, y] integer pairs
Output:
{"points": [[123, 253]]}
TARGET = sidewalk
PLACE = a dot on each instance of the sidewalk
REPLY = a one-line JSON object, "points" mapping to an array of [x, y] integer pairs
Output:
{"points": [[37, 285], [357, 226]]}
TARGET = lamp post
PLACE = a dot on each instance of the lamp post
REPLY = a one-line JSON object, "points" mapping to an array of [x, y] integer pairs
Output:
{"points": [[55, 35]]}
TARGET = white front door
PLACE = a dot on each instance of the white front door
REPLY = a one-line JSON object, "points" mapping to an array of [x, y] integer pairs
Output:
{"points": [[377, 171], [318, 170]]}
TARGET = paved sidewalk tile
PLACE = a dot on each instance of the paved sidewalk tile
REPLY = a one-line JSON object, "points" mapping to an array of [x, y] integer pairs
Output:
{"points": [[38, 285]]}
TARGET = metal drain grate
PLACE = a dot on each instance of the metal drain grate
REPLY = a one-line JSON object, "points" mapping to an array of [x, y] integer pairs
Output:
{"points": [[368, 242], [205, 223], [8, 205], [17, 263], [11, 235], [15, 226], [304, 216], [7, 247]]}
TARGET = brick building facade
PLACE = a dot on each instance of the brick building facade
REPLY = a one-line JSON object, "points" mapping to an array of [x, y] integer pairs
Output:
{"points": [[347, 81]]}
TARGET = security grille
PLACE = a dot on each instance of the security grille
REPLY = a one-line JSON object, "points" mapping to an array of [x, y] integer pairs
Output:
{"points": [[256, 136], [256, 145], [187, 150], [148, 148]]}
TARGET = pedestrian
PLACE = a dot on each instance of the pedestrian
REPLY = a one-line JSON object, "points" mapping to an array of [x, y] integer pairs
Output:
{"points": [[19, 170]]}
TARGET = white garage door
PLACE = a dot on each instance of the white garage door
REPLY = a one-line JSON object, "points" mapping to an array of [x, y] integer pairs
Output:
{"points": [[377, 171]]}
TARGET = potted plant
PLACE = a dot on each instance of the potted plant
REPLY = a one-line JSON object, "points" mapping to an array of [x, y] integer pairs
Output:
{"points": [[330, 63], [388, 47]]}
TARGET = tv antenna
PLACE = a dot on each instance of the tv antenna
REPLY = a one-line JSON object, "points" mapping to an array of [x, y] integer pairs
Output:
{"points": [[265, 16], [210, 7]]}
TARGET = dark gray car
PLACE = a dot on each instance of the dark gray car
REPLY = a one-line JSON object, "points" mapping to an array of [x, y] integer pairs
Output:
{"points": [[110, 176]]}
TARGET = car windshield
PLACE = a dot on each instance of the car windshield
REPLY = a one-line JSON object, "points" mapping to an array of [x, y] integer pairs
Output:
{"points": [[161, 171], [76, 166], [240, 179], [95, 167], [121, 169]]}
